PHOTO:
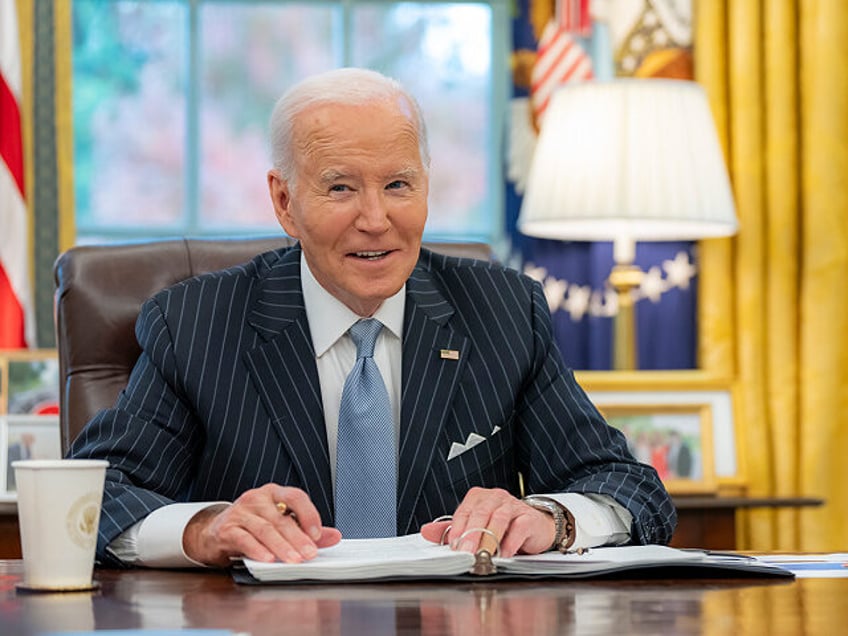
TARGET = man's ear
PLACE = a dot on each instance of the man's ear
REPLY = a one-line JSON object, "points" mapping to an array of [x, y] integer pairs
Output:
{"points": [[281, 198]]}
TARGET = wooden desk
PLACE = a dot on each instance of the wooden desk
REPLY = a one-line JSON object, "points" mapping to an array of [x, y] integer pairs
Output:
{"points": [[710, 522], [151, 599]]}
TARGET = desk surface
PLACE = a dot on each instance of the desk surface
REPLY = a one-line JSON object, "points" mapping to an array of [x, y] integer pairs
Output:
{"points": [[147, 599]]}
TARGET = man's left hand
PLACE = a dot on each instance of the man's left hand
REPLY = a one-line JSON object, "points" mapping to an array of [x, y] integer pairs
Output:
{"points": [[517, 527]]}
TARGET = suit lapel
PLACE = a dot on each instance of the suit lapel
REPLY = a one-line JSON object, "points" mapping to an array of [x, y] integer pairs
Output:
{"points": [[429, 383], [291, 393]]}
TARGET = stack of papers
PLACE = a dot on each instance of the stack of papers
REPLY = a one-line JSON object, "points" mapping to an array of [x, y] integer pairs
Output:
{"points": [[412, 556], [363, 559]]}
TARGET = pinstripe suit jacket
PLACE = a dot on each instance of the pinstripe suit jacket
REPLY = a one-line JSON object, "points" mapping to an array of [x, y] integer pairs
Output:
{"points": [[225, 397]]}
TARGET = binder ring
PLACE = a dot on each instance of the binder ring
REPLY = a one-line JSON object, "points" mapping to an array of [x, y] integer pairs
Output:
{"points": [[484, 531], [446, 530], [443, 540]]}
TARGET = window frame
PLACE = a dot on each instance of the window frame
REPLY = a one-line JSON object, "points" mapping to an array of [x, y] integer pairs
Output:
{"points": [[191, 225]]}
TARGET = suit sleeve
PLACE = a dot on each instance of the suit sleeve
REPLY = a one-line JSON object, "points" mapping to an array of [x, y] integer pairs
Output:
{"points": [[565, 445], [148, 437]]}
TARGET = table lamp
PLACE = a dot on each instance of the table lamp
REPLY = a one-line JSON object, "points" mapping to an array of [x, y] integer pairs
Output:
{"points": [[628, 160]]}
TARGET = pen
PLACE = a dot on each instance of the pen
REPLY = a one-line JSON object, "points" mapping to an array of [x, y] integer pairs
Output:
{"points": [[285, 511]]}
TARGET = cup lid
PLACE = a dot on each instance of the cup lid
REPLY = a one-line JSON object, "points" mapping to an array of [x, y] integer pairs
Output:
{"points": [[53, 464]]}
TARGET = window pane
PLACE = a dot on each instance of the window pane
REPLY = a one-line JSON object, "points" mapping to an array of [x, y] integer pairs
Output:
{"points": [[129, 113], [442, 53], [249, 54]]}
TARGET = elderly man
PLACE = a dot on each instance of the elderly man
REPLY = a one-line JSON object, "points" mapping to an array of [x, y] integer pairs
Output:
{"points": [[356, 380]]}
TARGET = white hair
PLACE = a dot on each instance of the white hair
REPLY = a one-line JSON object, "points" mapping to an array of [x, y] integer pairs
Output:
{"points": [[347, 86]]}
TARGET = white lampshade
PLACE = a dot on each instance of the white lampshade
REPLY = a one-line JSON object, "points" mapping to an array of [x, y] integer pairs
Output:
{"points": [[632, 159]]}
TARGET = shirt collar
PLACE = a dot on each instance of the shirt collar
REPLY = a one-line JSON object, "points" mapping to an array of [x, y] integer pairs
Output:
{"points": [[329, 318]]}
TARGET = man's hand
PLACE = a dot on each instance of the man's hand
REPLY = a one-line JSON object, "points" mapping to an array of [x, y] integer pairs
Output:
{"points": [[517, 526], [254, 527]]}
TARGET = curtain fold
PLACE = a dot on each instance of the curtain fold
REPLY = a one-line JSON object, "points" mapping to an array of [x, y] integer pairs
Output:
{"points": [[824, 265], [779, 89], [64, 118], [47, 123]]}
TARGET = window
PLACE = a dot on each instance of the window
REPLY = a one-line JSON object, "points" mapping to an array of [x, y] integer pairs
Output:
{"points": [[172, 100]]}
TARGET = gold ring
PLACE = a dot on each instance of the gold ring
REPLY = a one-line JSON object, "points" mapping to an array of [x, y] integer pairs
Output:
{"points": [[283, 508]]}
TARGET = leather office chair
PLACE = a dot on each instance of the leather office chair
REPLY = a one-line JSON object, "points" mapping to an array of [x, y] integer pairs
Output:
{"points": [[99, 292]]}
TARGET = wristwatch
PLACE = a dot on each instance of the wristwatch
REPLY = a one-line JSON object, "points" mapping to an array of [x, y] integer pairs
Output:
{"points": [[563, 520]]}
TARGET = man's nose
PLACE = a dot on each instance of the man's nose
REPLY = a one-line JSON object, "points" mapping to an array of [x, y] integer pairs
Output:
{"points": [[373, 214]]}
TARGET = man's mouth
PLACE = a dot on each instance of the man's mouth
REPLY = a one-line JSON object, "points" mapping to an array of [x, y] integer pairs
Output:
{"points": [[370, 256]]}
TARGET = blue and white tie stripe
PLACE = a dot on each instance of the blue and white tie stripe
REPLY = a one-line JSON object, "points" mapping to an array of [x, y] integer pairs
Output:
{"points": [[366, 460]]}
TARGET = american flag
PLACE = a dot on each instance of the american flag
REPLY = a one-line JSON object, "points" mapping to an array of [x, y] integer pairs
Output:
{"points": [[559, 56], [16, 317]]}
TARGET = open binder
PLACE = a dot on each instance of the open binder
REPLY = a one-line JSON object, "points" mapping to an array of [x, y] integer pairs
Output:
{"points": [[412, 557]]}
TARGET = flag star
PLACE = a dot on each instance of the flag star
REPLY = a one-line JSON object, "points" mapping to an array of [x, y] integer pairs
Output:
{"points": [[680, 271], [577, 301], [603, 303], [555, 292], [536, 273], [653, 286]]}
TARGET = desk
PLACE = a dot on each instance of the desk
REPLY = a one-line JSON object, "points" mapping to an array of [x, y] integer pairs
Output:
{"points": [[710, 522], [152, 599]]}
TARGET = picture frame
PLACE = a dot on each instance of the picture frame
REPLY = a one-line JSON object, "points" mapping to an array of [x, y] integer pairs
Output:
{"points": [[677, 440], [26, 437], [29, 382], [693, 398]]}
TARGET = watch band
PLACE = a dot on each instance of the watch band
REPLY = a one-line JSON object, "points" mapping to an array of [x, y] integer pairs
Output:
{"points": [[565, 533]]}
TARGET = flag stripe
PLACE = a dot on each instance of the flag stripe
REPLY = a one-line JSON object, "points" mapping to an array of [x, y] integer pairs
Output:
{"points": [[11, 149], [17, 325], [12, 330], [560, 59]]}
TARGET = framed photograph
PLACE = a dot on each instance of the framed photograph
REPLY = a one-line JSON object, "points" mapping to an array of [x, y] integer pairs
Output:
{"points": [[29, 382], [694, 405], [676, 440], [27, 437]]}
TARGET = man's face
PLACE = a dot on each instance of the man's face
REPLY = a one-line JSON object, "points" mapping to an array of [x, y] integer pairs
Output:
{"points": [[359, 199]]}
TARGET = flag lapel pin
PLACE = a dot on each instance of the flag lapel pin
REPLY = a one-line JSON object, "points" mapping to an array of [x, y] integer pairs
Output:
{"points": [[449, 354]]}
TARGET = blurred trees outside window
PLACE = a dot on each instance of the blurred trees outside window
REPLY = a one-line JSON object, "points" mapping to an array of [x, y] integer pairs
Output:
{"points": [[172, 98]]}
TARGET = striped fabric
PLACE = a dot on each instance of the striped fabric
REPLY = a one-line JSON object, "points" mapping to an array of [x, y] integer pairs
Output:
{"points": [[225, 397], [559, 59], [17, 326]]}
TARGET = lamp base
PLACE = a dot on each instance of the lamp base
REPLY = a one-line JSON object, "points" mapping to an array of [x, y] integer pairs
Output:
{"points": [[625, 278]]}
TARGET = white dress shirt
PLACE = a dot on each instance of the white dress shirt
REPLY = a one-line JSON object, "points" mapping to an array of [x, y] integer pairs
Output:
{"points": [[156, 540]]}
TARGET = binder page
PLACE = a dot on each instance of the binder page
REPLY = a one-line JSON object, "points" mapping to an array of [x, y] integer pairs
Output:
{"points": [[362, 559], [598, 559]]}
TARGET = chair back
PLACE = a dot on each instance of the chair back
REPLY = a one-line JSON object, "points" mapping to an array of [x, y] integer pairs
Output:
{"points": [[100, 290]]}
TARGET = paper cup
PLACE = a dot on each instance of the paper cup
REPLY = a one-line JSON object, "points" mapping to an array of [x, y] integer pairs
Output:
{"points": [[58, 513]]}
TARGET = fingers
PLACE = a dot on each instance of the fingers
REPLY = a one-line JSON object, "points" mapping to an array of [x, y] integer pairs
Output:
{"points": [[435, 531], [516, 526], [266, 524]]}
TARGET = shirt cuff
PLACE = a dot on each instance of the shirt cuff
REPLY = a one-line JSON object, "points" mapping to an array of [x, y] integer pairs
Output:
{"points": [[598, 519], [157, 540]]}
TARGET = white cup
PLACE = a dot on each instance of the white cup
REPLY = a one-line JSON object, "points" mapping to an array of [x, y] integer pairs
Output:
{"points": [[58, 512]]}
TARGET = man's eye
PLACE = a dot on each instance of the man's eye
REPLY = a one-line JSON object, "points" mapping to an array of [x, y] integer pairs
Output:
{"points": [[339, 187], [396, 185]]}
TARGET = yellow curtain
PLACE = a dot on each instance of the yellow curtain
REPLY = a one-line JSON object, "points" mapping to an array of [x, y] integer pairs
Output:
{"points": [[62, 110], [772, 304]]}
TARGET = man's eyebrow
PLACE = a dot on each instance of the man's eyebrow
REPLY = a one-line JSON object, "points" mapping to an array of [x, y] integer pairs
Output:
{"points": [[407, 174], [331, 175]]}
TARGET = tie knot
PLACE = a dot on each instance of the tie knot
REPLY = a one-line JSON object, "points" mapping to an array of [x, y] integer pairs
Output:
{"points": [[364, 334]]}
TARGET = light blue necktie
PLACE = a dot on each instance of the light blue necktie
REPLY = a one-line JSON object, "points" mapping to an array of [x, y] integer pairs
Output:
{"points": [[366, 464]]}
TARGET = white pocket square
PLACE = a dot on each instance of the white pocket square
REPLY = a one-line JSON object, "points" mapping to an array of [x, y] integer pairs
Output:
{"points": [[458, 449]]}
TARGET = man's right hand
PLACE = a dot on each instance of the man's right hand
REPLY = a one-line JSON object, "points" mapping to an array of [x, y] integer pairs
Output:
{"points": [[254, 527]]}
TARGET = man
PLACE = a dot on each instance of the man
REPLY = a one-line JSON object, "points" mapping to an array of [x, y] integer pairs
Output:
{"points": [[239, 393]]}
